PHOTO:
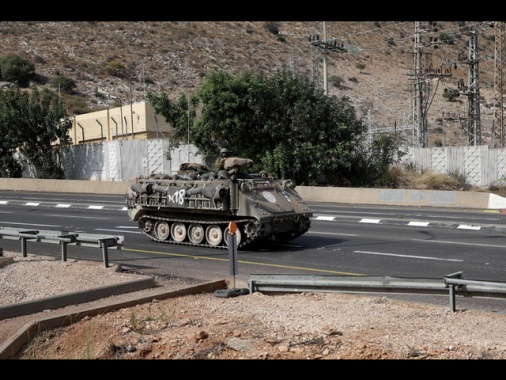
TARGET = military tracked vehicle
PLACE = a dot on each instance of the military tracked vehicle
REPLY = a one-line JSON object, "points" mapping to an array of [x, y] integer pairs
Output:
{"points": [[196, 206]]}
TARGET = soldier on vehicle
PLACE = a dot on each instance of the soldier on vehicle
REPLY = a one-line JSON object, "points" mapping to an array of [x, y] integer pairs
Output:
{"points": [[263, 174], [220, 161]]}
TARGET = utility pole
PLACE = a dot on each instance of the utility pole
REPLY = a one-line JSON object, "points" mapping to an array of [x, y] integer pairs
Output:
{"points": [[131, 109], [325, 69], [419, 88], [314, 62], [186, 74], [499, 85], [472, 90], [332, 44], [423, 73]]}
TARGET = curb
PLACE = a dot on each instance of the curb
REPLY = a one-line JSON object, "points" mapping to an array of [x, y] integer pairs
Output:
{"points": [[14, 344], [59, 301]]}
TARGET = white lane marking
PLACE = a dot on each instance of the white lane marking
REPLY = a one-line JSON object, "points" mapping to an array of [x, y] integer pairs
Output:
{"points": [[330, 218], [3, 202], [370, 221], [39, 225], [130, 232], [468, 227], [124, 209], [63, 205], [327, 233], [460, 243], [78, 217], [96, 207], [31, 204], [418, 224], [408, 256]]}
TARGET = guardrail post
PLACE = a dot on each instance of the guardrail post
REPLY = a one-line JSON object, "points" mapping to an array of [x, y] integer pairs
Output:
{"points": [[452, 297], [452, 288], [105, 256], [23, 246], [63, 251], [104, 243], [251, 286], [31, 235]]}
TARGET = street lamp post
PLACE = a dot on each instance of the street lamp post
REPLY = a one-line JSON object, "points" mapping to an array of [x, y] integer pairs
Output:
{"points": [[121, 116], [131, 110]]}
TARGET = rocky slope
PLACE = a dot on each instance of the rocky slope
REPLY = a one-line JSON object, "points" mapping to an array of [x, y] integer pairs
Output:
{"points": [[374, 69]]}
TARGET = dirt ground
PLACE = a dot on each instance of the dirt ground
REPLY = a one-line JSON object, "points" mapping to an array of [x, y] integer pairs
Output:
{"points": [[254, 326]]}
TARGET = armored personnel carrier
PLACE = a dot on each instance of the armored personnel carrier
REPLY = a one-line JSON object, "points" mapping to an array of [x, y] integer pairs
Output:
{"points": [[196, 206]]}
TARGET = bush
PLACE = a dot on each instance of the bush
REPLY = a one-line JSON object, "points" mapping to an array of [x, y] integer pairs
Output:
{"points": [[336, 80], [16, 69], [450, 94], [116, 69], [64, 84], [272, 27]]}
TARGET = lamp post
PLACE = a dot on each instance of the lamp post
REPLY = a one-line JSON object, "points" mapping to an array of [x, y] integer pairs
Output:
{"points": [[131, 110], [121, 116]]}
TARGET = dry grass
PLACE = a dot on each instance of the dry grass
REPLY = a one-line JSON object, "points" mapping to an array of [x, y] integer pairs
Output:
{"points": [[406, 178]]}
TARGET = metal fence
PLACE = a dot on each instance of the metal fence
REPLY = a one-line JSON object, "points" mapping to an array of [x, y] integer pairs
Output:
{"points": [[126, 159]]}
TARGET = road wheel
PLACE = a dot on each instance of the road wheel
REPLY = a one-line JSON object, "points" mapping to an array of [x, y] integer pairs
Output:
{"points": [[196, 233], [162, 230], [214, 235], [178, 232]]}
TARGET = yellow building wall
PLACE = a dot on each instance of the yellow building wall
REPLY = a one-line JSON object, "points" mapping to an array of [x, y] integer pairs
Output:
{"points": [[129, 122]]}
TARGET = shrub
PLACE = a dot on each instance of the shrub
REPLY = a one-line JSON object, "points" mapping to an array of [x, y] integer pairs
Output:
{"points": [[16, 69], [116, 69], [336, 80], [64, 84]]}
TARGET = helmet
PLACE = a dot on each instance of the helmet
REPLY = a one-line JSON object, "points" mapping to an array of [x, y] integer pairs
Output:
{"points": [[223, 150], [262, 172]]}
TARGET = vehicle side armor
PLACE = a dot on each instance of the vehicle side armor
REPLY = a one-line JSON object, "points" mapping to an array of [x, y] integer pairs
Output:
{"points": [[197, 208]]}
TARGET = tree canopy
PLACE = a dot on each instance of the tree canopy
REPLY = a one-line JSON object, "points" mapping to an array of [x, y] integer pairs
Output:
{"points": [[284, 123], [36, 125]]}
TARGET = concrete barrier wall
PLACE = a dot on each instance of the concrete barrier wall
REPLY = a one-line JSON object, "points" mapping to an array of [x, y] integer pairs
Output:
{"points": [[392, 197], [65, 186], [402, 197]]}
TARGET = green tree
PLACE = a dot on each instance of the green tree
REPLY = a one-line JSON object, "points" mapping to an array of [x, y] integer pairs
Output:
{"points": [[10, 166], [37, 124], [16, 69], [180, 114], [284, 123], [372, 164]]}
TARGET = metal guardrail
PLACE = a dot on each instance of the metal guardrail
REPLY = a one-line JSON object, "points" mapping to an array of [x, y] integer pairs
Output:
{"points": [[63, 238], [452, 284]]}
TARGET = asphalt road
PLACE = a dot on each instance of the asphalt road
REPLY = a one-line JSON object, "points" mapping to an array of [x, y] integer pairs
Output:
{"points": [[352, 240]]}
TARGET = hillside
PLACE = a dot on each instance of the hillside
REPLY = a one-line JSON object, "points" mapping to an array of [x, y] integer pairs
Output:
{"points": [[374, 70]]}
